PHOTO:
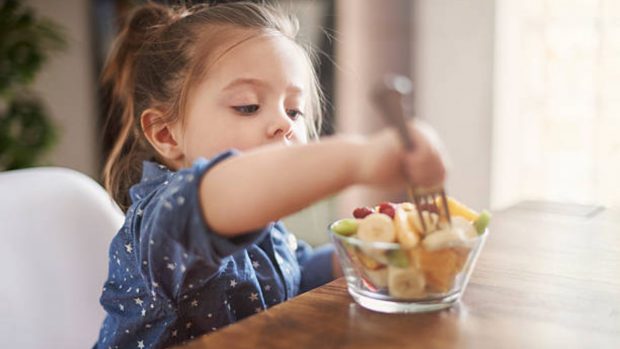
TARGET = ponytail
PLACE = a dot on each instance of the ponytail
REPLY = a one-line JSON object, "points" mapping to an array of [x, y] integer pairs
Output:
{"points": [[123, 165]]}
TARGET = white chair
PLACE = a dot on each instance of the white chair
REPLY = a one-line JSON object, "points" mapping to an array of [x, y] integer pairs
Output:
{"points": [[55, 229]]}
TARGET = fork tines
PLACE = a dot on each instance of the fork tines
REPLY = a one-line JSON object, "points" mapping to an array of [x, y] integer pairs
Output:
{"points": [[427, 200]]}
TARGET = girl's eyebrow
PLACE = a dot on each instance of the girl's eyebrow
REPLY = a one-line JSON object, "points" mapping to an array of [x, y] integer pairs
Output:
{"points": [[293, 88]]}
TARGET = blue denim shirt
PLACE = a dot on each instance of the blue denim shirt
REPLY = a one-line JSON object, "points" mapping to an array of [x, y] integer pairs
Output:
{"points": [[171, 278]]}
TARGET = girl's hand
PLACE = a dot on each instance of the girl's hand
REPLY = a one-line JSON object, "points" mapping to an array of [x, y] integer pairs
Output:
{"points": [[386, 163]]}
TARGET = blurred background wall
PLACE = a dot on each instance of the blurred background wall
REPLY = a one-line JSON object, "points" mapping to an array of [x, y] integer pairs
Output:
{"points": [[68, 86]]}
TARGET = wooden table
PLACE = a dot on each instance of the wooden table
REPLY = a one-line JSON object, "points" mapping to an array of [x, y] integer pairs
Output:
{"points": [[548, 277]]}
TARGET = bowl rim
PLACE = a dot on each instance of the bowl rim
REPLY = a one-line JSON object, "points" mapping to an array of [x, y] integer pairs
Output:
{"points": [[382, 245]]}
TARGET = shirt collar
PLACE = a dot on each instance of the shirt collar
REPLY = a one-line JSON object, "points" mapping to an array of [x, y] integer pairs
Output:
{"points": [[153, 175]]}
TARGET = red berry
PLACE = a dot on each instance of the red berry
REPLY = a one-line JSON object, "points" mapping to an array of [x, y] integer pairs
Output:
{"points": [[387, 208], [362, 212]]}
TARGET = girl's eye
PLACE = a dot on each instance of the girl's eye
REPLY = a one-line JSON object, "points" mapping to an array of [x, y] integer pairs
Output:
{"points": [[247, 109], [294, 114]]}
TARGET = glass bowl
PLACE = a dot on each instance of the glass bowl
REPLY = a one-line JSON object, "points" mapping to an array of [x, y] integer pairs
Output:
{"points": [[384, 277]]}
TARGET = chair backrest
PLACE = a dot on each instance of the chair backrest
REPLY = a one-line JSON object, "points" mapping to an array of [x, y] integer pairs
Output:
{"points": [[55, 229]]}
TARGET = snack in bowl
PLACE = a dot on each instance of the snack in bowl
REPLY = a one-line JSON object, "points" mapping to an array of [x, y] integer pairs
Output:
{"points": [[392, 264]]}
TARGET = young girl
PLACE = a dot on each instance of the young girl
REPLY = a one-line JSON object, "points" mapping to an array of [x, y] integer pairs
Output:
{"points": [[216, 105]]}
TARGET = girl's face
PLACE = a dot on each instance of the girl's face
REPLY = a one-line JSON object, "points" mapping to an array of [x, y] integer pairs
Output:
{"points": [[254, 94]]}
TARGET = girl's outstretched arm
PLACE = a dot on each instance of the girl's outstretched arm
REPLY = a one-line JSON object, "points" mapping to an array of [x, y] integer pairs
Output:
{"points": [[263, 185]]}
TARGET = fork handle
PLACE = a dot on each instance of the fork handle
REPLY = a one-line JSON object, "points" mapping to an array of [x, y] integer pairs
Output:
{"points": [[401, 127], [389, 97]]}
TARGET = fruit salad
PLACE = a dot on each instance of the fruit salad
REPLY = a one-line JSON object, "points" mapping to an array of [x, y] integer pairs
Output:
{"points": [[389, 250]]}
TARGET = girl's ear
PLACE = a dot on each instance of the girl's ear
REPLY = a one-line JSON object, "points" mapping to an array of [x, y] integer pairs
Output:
{"points": [[161, 135]]}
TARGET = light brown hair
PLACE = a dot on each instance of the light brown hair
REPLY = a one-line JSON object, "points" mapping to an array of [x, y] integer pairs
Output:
{"points": [[156, 60]]}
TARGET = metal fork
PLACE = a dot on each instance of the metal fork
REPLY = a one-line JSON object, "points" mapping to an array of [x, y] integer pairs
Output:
{"points": [[389, 98]]}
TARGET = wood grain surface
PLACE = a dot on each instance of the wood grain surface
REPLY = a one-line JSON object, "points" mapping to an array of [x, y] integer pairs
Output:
{"points": [[545, 279]]}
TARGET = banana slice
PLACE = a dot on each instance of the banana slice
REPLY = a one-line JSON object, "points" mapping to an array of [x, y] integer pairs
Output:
{"points": [[443, 225], [376, 227], [405, 282], [405, 233], [443, 239], [430, 219], [407, 206], [465, 226]]}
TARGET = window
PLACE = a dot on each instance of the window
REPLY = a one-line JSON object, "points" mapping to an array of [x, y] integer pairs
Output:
{"points": [[557, 112]]}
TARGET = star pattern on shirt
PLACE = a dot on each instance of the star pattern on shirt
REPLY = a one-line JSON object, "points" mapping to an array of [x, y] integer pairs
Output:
{"points": [[269, 279]]}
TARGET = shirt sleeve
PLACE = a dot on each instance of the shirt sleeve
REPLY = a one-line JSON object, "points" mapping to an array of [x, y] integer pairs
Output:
{"points": [[177, 247], [316, 265]]}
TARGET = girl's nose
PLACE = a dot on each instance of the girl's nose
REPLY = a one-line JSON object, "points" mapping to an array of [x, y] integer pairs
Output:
{"points": [[280, 126]]}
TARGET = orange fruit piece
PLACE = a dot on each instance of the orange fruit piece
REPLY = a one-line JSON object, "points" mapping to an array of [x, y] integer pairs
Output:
{"points": [[439, 267], [458, 208], [461, 257]]}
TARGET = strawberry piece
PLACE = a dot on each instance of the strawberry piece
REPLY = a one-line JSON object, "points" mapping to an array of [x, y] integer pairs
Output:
{"points": [[387, 208], [362, 212]]}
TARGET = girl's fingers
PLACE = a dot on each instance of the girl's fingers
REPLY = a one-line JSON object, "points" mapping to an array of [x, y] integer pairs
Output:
{"points": [[426, 136], [424, 167]]}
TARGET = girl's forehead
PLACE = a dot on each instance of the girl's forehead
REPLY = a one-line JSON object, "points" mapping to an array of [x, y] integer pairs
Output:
{"points": [[263, 56]]}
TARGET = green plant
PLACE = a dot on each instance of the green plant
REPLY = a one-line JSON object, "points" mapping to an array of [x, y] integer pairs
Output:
{"points": [[26, 41]]}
